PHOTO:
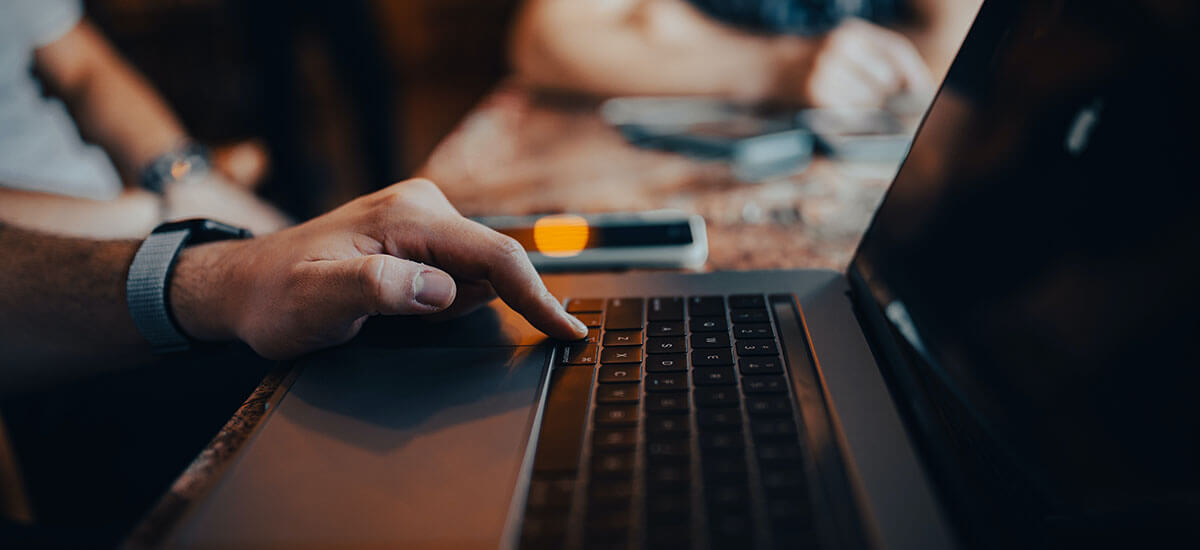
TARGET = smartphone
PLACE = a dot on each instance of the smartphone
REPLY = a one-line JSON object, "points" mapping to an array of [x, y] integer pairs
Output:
{"points": [[664, 239], [758, 142], [872, 135]]}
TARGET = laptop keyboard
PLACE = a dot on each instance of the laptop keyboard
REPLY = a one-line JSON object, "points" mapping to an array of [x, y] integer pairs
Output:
{"points": [[671, 425]]}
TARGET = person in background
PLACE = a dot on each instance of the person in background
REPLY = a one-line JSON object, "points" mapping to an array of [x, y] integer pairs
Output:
{"points": [[823, 53], [145, 169]]}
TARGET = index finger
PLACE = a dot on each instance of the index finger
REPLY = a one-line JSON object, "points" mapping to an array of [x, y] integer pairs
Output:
{"points": [[468, 249]]}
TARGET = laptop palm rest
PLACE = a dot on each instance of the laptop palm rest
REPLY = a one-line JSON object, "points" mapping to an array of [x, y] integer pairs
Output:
{"points": [[374, 447]]}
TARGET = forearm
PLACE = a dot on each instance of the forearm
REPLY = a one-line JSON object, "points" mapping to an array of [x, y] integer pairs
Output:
{"points": [[131, 215], [111, 102], [62, 307], [661, 47]]}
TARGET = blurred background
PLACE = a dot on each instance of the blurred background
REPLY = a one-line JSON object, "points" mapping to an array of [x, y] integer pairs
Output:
{"points": [[341, 97]]}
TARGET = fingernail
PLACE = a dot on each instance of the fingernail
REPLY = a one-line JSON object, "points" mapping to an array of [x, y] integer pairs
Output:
{"points": [[575, 322], [433, 288]]}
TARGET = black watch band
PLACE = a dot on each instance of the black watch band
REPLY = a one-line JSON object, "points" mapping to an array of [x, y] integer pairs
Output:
{"points": [[150, 277]]}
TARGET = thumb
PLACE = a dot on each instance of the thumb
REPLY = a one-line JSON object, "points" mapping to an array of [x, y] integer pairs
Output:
{"points": [[379, 284]]}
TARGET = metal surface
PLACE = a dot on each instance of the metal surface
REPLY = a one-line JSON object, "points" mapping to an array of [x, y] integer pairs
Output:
{"points": [[419, 448], [383, 444]]}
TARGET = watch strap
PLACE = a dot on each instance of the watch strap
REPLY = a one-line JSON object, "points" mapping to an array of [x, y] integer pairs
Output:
{"points": [[146, 290]]}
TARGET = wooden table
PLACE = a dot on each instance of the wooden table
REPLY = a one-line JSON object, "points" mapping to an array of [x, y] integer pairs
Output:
{"points": [[521, 152]]}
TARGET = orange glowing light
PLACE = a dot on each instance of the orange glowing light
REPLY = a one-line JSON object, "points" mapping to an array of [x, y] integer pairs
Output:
{"points": [[561, 235], [180, 168]]}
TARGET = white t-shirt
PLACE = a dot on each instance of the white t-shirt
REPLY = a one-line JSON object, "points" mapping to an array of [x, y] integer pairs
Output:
{"points": [[40, 147]]}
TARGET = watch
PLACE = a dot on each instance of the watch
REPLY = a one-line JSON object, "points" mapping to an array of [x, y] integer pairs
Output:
{"points": [[187, 160], [150, 277]]}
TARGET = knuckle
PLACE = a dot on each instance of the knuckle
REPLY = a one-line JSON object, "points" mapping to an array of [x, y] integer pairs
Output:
{"points": [[509, 249], [371, 279]]}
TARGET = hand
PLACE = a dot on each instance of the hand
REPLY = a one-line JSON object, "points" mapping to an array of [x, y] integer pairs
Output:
{"points": [[856, 65], [216, 198], [400, 251]]}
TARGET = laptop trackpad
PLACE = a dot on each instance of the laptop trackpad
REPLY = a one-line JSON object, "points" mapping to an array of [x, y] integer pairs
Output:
{"points": [[413, 448]]}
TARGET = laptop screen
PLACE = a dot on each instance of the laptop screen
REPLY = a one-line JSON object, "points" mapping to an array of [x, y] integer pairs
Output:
{"points": [[1032, 272]]}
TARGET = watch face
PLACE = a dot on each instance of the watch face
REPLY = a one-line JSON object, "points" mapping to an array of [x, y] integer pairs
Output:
{"points": [[175, 166], [204, 230]]}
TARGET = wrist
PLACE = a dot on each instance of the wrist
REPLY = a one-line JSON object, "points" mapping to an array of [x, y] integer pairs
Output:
{"points": [[184, 162], [789, 62], [203, 291]]}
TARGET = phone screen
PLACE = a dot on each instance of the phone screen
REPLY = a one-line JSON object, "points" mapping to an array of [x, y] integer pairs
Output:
{"points": [[603, 236]]}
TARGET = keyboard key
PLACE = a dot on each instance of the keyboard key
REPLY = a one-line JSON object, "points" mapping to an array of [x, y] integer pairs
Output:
{"points": [[710, 340], [619, 373], [773, 429], [611, 491], [720, 419], [756, 347], [590, 320], [665, 309], [747, 301], [585, 305], [593, 337], [619, 465], [712, 358], [674, 344], [732, 530], [671, 508], [668, 536], [768, 405], [754, 330], [730, 470], [788, 452], [578, 354], [608, 527], [676, 362], [614, 440], [716, 397], [749, 316], [624, 313], [667, 427], [563, 422], [544, 529], [664, 328], [764, 384], [666, 403], [621, 355], [722, 443], [706, 306], [616, 415], [677, 450], [666, 382], [789, 513], [760, 365], [623, 338], [726, 496], [714, 376], [783, 482], [550, 493], [666, 476], [618, 393], [708, 324]]}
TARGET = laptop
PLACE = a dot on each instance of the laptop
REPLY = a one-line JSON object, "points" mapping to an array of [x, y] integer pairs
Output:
{"points": [[1009, 360]]}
